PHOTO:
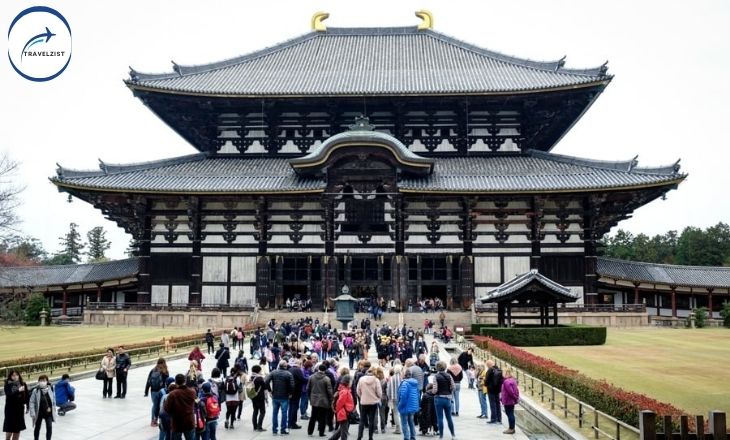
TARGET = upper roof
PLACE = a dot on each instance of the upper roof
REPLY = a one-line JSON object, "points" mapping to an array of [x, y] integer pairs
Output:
{"points": [[515, 285], [369, 61], [673, 275], [66, 275], [532, 172]]}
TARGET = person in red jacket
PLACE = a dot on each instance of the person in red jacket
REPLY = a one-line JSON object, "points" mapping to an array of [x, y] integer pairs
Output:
{"points": [[343, 406], [197, 356]]}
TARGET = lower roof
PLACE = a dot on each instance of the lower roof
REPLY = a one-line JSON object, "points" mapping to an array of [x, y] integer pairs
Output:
{"points": [[69, 274], [666, 274], [529, 172]]}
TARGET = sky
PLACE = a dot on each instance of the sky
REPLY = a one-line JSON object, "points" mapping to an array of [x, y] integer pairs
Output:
{"points": [[667, 101]]}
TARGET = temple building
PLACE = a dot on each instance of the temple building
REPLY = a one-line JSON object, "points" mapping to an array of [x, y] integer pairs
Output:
{"points": [[399, 161]]}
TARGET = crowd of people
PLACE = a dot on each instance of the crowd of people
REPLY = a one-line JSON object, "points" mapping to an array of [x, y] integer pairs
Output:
{"points": [[295, 365]]}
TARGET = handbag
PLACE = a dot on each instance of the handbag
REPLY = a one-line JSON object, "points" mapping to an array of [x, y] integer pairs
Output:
{"points": [[101, 374]]}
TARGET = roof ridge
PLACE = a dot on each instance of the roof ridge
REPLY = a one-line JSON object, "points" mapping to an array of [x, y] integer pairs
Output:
{"points": [[628, 166], [73, 266], [679, 266], [107, 168]]}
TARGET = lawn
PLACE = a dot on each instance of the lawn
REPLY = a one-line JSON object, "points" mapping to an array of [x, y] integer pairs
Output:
{"points": [[27, 341], [685, 367]]}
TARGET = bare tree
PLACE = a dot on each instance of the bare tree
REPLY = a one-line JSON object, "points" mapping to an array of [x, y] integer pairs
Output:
{"points": [[9, 191]]}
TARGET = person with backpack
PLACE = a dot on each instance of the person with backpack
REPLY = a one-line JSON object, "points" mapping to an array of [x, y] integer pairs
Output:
{"points": [[155, 382], [65, 395], [210, 402], [223, 355], [493, 381], [216, 384], [443, 390], [210, 341], [231, 387], [164, 417], [320, 397], [41, 407], [256, 389], [408, 392], [343, 405], [241, 362]]}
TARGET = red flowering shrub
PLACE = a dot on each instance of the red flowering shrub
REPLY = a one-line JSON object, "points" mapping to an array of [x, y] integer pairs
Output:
{"points": [[614, 401]]}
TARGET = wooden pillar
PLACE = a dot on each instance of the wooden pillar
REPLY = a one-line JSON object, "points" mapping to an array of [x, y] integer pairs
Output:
{"points": [[144, 239], [590, 291], [656, 302], [381, 285], [419, 280], [98, 293], [636, 293], [709, 301], [263, 280], [64, 301], [309, 276], [400, 225], [347, 261], [555, 314], [195, 236], [329, 281], [466, 278], [674, 301], [279, 283]]}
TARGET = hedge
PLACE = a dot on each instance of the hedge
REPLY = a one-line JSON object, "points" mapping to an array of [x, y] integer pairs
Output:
{"points": [[612, 400], [545, 336]]}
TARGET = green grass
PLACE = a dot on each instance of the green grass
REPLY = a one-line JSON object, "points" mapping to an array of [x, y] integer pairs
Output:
{"points": [[689, 368], [30, 341]]}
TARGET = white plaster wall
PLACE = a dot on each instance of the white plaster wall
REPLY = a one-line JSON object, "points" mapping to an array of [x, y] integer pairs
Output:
{"points": [[243, 295], [215, 269], [180, 294], [487, 270], [213, 295], [159, 294], [243, 269], [514, 266]]}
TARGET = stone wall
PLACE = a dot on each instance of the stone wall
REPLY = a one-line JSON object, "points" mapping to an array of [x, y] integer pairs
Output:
{"points": [[192, 319], [605, 319]]}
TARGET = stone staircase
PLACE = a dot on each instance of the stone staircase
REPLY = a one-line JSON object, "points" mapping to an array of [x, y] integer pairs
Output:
{"points": [[413, 319]]}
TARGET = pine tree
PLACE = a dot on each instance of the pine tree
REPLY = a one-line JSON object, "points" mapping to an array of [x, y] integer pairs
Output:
{"points": [[98, 244], [71, 245], [132, 248]]}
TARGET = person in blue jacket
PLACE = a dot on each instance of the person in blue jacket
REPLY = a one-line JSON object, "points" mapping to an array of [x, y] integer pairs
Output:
{"points": [[65, 396], [408, 404]]}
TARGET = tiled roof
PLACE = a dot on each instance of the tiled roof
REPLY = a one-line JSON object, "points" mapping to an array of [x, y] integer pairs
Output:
{"points": [[688, 276], [40, 276], [531, 172], [514, 285], [369, 61]]}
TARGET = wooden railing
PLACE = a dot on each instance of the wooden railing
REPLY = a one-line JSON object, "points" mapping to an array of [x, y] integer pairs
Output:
{"points": [[717, 427], [578, 308], [168, 306]]}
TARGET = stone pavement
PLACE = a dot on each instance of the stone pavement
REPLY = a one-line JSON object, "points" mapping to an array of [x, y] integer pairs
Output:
{"points": [[110, 419]]}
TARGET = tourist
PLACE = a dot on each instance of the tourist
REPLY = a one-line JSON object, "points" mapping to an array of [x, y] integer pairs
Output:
{"points": [[225, 339], [258, 401], [471, 376], [427, 412], [210, 341], [41, 407], [494, 387], [109, 366], [481, 375], [510, 396], [383, 408], [466, 359], [457, 375], [443, 389], [242, 379], [232, 388], [369, 393], [392, 390], [320, 397], [65, 395], [193, 375], [307, 372], [239, 337], [180, 405], [296, 395], [343, 406], [210, 402], [155, 382], [223, 355], [281, 383], [122, 368], [197, 356], [16, 392], [442, 318], [164, 417], [408, 404]]}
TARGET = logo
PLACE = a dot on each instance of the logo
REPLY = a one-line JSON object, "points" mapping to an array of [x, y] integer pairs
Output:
{"points": [[39, 43]]}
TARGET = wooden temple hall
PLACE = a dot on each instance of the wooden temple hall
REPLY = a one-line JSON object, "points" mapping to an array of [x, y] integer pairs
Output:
{"points": [[401, 162]]}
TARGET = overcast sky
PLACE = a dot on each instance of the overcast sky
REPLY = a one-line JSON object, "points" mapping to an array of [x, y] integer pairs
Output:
{"points": [[668, 100]]}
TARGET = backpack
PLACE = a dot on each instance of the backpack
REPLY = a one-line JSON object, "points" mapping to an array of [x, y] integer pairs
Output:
{"points": [[231, 387], [212, 408], [251, 391], [213, 387], [155, 380]]}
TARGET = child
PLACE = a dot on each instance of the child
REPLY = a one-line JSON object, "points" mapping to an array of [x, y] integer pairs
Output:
{"points": [[471, 375]]}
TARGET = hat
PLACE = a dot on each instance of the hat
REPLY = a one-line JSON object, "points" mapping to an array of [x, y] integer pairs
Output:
{"points": [[206, 388], [169, 380]]}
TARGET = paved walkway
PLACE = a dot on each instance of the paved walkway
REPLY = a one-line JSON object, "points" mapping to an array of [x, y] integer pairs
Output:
{"points": [[110, 419]]}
